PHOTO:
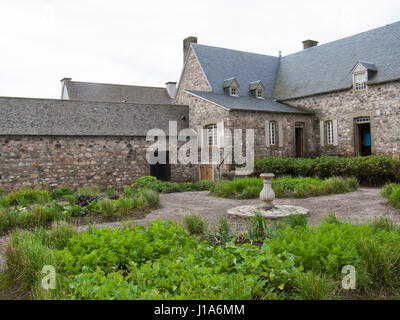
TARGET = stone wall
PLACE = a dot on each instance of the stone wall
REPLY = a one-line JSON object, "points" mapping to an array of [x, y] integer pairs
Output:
{"points": [[203, 113], [256, 120], [380, 102], [111, 162], [192, 78]]}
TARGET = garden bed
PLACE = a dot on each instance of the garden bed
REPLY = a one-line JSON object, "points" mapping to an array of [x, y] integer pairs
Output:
{"points": [[287, 260]]}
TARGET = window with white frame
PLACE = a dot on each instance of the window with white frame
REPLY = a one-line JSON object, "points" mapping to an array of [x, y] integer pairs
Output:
{"points": [[212, 135], [259, 94], [272, 133], [360, 81], [233, 91], [329, 132]]}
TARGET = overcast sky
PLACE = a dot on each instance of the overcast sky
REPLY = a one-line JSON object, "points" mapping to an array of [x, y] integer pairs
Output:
{"points": [[140, 42]]}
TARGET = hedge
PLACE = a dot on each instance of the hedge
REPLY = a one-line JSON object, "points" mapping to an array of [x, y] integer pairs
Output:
{"points": [[370, 170]]}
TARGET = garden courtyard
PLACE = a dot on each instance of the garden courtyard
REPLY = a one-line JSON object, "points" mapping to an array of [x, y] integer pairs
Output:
{"points": [[163, 240]]}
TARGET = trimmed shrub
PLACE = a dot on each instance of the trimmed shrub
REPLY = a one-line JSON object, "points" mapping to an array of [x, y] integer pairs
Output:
{"points": [[248, 188], [371, 170]]}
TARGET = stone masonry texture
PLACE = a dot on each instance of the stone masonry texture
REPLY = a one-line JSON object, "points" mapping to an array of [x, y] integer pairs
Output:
{"points": [[379, 102], [50, 161]]}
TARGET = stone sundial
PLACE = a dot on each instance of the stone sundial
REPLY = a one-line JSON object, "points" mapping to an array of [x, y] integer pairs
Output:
{"points": [[267, 208]]}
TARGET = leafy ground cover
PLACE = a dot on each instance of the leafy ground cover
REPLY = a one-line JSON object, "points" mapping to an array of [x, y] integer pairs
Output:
{"points": [[370, 171], [290, 260], [31, 208], [284, 187]]}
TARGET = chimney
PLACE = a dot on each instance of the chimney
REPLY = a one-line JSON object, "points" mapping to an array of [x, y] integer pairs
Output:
{"points": [[309, 44], [64, 92], [171, 89], [186, 46]]}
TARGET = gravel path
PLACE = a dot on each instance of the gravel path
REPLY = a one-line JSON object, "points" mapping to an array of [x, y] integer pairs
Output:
{"points": [[358, 207]]}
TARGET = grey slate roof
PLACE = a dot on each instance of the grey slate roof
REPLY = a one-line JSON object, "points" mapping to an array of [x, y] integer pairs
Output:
{"points": [[328, 67], [245, 103], [23, 116], [368, 66], [89, 91], [220, 64]]}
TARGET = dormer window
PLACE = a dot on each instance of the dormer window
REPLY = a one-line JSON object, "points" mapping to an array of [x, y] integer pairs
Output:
{"points": [[362, 72], [360, 81], [257, 89], [231, 87]]}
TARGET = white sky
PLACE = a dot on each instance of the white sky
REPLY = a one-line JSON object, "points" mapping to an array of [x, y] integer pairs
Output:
{"points": [[140, 42]]}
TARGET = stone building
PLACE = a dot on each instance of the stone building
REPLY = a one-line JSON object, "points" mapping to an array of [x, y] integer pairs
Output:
{"points": [[340, 98]]}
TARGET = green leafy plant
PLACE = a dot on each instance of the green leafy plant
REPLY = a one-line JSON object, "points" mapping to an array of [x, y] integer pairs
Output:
{"points": [[61, 193], [27, 196]]}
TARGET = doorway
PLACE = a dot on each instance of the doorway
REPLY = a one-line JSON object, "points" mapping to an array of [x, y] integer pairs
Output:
{"points": [[363, 137], [161, 171], [299, 133], [206, 172]]}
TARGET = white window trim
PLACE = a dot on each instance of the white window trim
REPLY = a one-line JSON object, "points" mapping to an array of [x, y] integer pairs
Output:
{"points": [[272, 133], [329, 133], [261, 96], [212, 133], [233, 94], [360, 86]]}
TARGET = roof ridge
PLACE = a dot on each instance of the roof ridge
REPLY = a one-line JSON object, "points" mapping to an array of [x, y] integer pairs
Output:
{"points": [[236, 50], [116, 84], [334, 41]]}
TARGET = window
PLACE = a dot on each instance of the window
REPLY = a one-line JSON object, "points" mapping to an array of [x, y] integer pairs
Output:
{"points": [[360, 81], [329, 132], [212, 135], [363, 120], [233, 91], [272, 133], [259, 94]]}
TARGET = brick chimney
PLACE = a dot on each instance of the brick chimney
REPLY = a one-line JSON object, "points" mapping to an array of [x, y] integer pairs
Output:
{"points": [[171, 89], [64, 92], [186, 46], [309, 44]]}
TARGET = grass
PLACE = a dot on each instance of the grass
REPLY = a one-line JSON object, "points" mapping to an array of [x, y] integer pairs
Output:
{"points": [[284, 187], [195, 224], [392, 193]]}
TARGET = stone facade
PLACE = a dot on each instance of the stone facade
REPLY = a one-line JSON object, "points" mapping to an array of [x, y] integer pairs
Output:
{"points": [[192, 78], [379, 102], [110, 162]]}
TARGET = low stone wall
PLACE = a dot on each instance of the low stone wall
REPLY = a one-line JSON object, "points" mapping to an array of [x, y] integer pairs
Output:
{"points": [[74, 161]]}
